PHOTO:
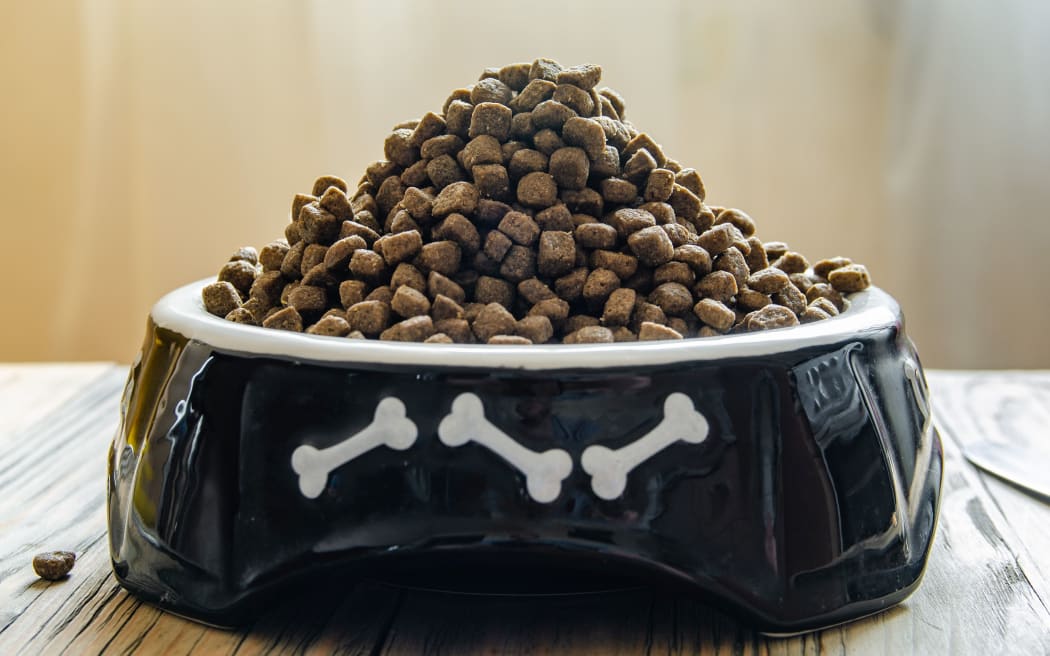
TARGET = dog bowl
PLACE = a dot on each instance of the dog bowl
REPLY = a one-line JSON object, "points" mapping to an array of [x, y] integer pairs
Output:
{"points": [[790, 476]]}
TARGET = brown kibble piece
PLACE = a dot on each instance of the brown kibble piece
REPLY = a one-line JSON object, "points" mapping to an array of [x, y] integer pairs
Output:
{"points": [[618, 307], [719, 285], [826, 291], [483, 149], [515, 76], [537, 190], [491, 118], [535, 92], [368, 265], [241, 315], [441, 284], [617, 191], [600, 284], [491, 180], [409, 302], [337, 256], [438, 338], [497, 244], [510, 340], [285, 319], [590, 335], [330, 326], [679, 272], [519, 263], [575, 99], [569, 167], [744, 223], [850, 278], [461, 230], [811, 314], [322, 184], [629, 220], [441, 256], [822, 268], [718, 238], [382, 293], [696, 257], [520, 228], [460, 197], [791, 262], [457, 329], [401, 247], [596, 235], [659, 185], [652, 246], [414, 329], [247, 254], [622, 264], [494, 319], [768, 280], [494, 290], [53, 565], [690, 179], [443, 171], [584, 76], [370, 317], [556, 254], [267, 287], [771, 316], [555, 309], [638, 166], [220, 298], [825, 305], [445, 308], [587, 134], [733, 261], [749, 299], [537, 328], [535, 290], [272, 255], [673, 298], [238, 273], [551, 115], [336, 203], [308, 300], [649, 332], [715, 314], [352, 292]]}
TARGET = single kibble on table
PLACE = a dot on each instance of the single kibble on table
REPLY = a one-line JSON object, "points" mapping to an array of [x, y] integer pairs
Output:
{"points": [[525, 210], [54, 565]]}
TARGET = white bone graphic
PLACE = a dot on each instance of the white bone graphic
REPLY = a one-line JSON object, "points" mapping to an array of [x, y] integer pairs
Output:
{"points": [[544, 471], [390, 427], [609, 468]]}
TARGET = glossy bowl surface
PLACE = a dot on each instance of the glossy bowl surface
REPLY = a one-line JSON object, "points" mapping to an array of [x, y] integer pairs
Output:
{"points": [[791, 477]]}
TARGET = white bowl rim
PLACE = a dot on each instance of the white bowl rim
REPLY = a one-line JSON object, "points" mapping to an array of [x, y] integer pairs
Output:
{"points": [[182, 311]]}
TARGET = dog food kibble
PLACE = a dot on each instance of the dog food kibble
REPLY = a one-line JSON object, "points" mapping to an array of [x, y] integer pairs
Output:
{"points": [[528, 210], [53, 565]]}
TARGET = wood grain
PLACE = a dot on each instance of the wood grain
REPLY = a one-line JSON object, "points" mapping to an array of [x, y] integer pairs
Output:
{"points": [[985, 589]]}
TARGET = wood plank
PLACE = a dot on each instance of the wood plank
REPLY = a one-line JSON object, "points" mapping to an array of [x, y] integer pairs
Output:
{"points": [[30, 391], [1008, 401], [981, 593]]}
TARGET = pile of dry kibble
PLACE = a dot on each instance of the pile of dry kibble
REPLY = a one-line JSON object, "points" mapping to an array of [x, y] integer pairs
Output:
{"points": [[528, 211]]}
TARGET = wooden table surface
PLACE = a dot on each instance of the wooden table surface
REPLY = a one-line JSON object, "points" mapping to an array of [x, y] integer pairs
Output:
{"points": [[986, 590]]}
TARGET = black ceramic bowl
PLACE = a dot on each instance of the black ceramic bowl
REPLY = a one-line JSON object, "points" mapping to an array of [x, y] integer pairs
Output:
{"points": [[790, 476]]}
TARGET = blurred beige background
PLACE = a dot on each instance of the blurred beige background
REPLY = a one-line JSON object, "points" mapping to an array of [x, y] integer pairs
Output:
{"points": [[142, 142]]}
